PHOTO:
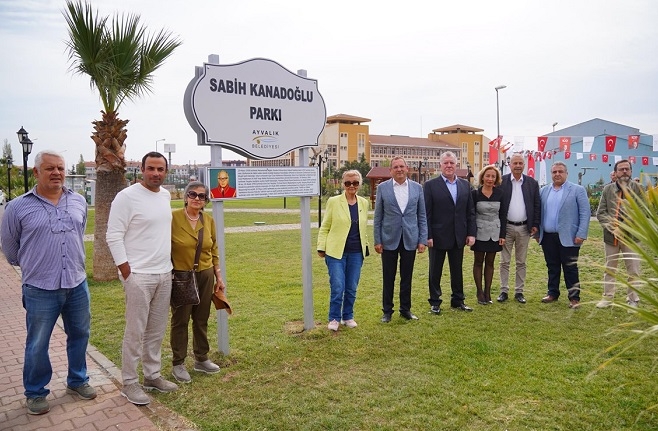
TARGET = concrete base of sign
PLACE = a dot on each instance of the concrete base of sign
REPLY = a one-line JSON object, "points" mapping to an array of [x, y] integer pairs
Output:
{"points": [[259, 223]]}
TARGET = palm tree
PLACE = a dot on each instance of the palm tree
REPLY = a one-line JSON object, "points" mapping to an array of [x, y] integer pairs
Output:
{"points": [[119, 57]]}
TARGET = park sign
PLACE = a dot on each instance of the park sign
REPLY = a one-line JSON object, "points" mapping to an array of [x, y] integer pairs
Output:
{"points": [[257, 108]]}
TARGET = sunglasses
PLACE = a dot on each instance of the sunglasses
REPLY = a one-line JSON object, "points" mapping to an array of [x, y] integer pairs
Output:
{"points": [[194, 195], [351, 184]]}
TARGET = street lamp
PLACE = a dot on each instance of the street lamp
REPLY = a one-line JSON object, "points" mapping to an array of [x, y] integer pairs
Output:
{"points": [[27, 149], [554, 124], [156, 143], [420, 166], [469, 175], [502, 165], [500, 87]]}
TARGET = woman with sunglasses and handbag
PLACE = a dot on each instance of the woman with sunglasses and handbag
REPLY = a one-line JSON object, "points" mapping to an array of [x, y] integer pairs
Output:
{"points": [[343, 243], [188, 225]]}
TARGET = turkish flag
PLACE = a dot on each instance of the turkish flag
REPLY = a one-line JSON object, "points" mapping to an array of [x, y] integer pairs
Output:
{"points": [[633, 142], [541, 143], [610, 142], [592, 157], [548, 155], [567, 155], [645, 161], [565, 143], [604, 157], [531, 165], [632, 159], [493, 150]]}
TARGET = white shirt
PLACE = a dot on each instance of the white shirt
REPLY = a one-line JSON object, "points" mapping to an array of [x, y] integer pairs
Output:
{"points": [[401, 194], [139, 229], [516, 212]]}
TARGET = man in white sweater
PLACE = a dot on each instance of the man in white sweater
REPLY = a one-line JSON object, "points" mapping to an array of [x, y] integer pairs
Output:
{"points": [[139, 238]]}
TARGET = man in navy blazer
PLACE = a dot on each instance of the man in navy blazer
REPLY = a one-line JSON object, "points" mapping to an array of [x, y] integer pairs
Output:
{"points": [[565, 215], [400, 229], [451, 227], [523, 218]]}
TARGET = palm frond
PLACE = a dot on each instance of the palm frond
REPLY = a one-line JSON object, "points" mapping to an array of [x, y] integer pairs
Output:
{"points": [[119, 57]]}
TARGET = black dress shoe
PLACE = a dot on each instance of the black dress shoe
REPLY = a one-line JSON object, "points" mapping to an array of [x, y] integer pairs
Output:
{"points": [[502, 297], [462, 307], [435, 309], [386, 318], [519, 297], [408, 315]]}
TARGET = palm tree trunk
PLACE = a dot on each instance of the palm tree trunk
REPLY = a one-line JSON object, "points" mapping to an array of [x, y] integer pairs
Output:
{"points": [[108, 184]]}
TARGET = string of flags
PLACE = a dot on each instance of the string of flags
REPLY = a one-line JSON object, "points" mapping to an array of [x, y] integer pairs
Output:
{"points": [[564, 146]]}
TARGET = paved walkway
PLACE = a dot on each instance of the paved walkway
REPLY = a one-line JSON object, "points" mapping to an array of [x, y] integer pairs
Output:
{"points": [[109, 411]]}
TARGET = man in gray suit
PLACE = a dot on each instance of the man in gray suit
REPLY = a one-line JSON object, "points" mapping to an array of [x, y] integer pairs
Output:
{"points": [[565, 214], [400, 229]]}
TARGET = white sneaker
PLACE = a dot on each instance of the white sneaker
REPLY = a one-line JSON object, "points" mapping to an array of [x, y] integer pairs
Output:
{"points": [[180, 373], [349, 323], [333, 325], [633, 304], [604, 303]]}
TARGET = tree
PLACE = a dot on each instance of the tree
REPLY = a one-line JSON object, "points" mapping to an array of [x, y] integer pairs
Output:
{"points": [[120, 57], [80, 167], [362, 166], [6, 150]]}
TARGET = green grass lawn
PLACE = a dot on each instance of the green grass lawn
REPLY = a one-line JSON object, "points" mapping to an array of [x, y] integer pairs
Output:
{"points": [[502, 367]]}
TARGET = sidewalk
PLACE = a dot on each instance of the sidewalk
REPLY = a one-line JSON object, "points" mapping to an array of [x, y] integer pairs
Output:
{"points": [[109, 411]]}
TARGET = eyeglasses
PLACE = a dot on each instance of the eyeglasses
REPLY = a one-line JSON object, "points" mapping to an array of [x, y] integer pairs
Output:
{"points": [[60, 219], [194, 195], [222, 178], [351, 183]]}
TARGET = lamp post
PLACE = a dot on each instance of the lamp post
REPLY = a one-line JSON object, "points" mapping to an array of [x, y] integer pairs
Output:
{"points": [[26, 143], [9, 162], [469, 175], [554, 124], [425, 174], [156, 144], [420, 166], [320, 160], [500, 87]]}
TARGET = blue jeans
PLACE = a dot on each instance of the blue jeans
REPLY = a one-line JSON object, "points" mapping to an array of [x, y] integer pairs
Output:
{"points": [[43, 307], [344, 276]]}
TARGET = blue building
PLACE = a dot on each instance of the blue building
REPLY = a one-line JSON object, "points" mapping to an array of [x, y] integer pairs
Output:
{"points": [[588, 166]]}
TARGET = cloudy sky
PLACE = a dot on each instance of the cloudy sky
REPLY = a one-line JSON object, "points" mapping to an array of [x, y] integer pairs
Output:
{"points": [[410, 66]]}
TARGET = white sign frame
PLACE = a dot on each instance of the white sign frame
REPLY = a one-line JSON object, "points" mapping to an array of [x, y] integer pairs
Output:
{"points": [[256, 107]]}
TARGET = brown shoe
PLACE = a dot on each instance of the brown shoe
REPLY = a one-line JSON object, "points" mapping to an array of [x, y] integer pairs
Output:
{"points": [[548, 298], [574, 303]]}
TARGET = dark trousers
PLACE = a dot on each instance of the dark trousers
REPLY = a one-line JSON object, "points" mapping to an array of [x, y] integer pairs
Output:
{"points": [[389, 269], [180, 319], [561, 259], [455, 261]]}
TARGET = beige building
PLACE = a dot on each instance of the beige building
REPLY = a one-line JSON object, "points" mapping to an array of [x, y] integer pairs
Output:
{"points": [[346, 138]]}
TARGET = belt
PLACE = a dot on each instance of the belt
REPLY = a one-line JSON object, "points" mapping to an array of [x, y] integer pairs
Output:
{"points": [[518, 223]]}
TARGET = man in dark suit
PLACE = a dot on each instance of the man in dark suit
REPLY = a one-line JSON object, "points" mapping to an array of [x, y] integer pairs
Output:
{"points": [[451, 226], [400, 229], [523, 219]]}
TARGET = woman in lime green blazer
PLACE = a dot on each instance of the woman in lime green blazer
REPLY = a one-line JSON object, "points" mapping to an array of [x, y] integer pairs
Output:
{"points": [[343, 243]]}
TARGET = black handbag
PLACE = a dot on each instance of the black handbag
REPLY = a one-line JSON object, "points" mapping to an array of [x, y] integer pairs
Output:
{"points": [[184, 287]]}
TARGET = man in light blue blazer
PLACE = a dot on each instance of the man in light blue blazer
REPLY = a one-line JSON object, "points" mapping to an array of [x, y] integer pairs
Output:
{"points": [[400, 229], [565, 215]]}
